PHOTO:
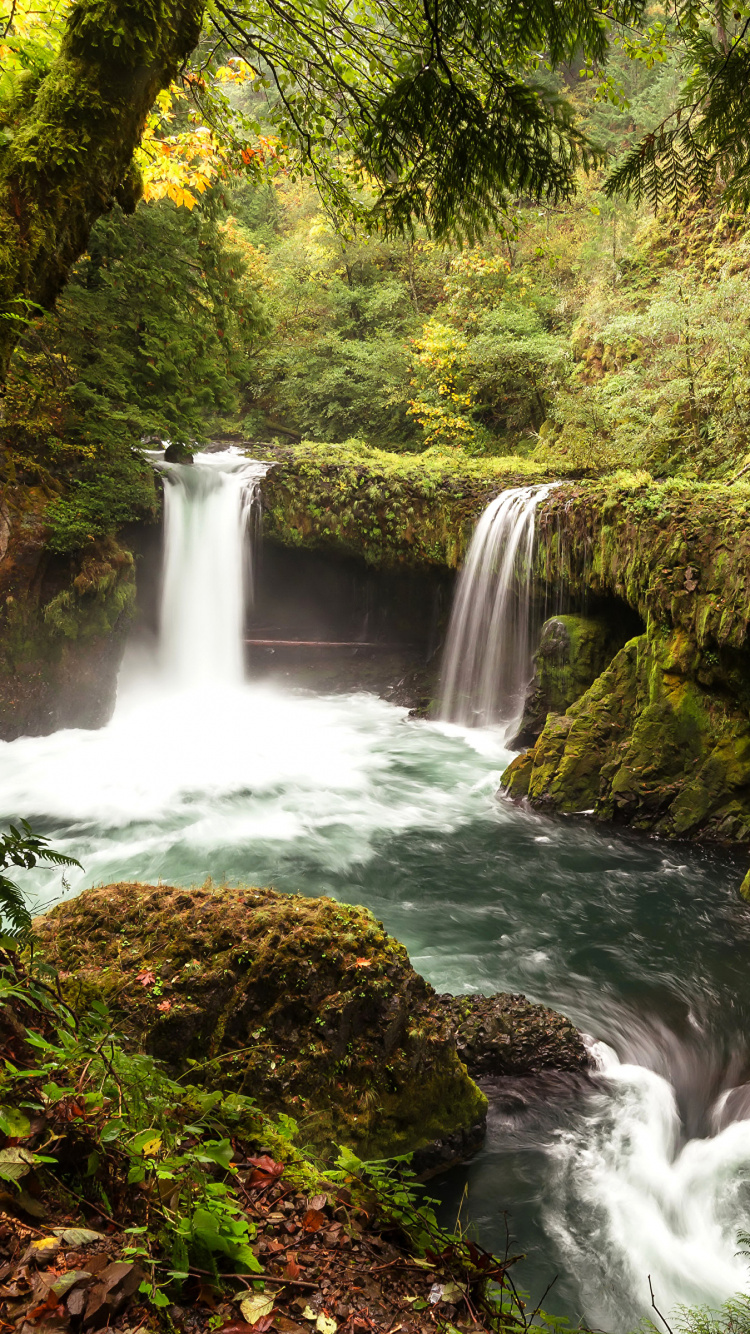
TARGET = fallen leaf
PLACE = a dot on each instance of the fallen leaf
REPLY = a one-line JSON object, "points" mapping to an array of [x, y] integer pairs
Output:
{"points": [[452, 1293], [308, 1312], [325, 1324], [44, 1250], [165, 1006], [77, 1236], [292, 1269], [146, 977], [255, 1307], [235, 1327], [363, 963], [313, 1220], [318, 1201], [68, 1280], [15, 1163]]}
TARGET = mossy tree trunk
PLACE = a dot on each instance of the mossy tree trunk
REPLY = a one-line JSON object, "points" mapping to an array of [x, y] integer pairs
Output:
{"points": [[73, 140]]}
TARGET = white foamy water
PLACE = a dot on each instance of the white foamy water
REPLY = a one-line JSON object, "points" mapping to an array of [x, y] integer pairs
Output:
{"points": [[489, 647], [200, 772]]}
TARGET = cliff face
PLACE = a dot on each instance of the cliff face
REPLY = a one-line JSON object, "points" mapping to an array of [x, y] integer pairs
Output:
{"points": [[62, 624], [661, 739]]}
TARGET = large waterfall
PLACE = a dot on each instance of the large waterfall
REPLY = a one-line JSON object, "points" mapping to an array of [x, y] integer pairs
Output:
{"points": [[489, 647], [207, 567]]}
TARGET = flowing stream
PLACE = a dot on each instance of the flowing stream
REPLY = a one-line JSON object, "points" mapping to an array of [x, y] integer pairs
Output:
{"points": [[644, 944]]}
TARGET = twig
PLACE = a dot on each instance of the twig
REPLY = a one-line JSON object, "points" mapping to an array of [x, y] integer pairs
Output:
{"points": [[663, 1319], [257, 1278]]}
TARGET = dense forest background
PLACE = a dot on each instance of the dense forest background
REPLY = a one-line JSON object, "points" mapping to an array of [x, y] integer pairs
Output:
{"points": [[591, 336]]}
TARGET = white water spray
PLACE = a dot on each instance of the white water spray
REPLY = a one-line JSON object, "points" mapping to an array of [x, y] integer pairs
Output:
{"points": [[208, 509], [489, 649]]}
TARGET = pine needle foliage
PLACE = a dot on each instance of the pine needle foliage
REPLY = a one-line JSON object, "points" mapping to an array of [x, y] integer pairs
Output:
{"points": [[703, 145], [446, 107]]}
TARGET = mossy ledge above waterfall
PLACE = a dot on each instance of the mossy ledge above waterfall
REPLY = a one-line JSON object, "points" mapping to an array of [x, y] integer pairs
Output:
{"points": [[307, 1005], [389, 509]]}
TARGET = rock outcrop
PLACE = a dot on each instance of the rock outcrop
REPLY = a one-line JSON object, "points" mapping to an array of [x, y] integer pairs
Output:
{"points": [[647, 745], [62, 624], [572, 652], [305, 1004]]}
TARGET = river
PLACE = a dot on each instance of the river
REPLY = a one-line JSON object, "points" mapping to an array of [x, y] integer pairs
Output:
{"points": [[643, 944]]}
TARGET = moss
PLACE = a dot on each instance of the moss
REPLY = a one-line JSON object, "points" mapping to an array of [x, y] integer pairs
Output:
{"points": [[390, 509], [62, 625], [572, 652], [260, 989], [73, 135], [646, 745]]}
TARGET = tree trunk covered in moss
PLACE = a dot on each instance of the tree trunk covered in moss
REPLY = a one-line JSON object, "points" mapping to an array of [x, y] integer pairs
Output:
{"points": [[73, 140]]}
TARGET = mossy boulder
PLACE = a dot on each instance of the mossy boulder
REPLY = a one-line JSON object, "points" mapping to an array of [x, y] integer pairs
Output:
{"points": [[646, 745], [572, 652], [305, 1004]]}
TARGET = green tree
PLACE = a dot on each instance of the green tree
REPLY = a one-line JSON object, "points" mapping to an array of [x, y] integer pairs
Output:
{"points": [[148, 341], [441, 110]]}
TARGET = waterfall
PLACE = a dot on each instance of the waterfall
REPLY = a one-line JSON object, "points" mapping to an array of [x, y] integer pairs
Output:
{"points": [[489, 648], [209, 507]]}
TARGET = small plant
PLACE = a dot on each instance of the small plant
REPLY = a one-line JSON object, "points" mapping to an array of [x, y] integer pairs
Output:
{"points": [[22, 847]]}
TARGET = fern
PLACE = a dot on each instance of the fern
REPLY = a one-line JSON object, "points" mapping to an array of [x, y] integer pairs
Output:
{"points": [[22, 847]]}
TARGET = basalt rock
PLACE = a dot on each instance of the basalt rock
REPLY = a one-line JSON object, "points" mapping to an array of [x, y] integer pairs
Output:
{"points": [[305, 1004], [62, 623], [506, 1034], [648, 745], [572, 652]]}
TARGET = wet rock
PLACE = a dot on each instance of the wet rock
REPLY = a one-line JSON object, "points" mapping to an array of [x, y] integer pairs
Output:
{"points": [[506, 1034], [177, 453], [648, 745], [572, 652], [63, 622]]}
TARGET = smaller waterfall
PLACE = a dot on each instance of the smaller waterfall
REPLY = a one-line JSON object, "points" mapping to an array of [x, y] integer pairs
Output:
{"points": [[489, 648], [209, 508]]}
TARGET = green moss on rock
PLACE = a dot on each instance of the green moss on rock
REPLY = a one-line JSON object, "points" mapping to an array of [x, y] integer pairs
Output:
{"points": [[646, 745], [305, 1004], [62, 623], [572, 652]]}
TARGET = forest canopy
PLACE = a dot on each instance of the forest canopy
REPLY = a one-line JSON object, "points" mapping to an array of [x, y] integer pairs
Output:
{"points": [[372, 223]]}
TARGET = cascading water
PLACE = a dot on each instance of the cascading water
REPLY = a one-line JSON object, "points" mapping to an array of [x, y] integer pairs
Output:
{"points": [[489, 645], [208, 509], [200, 773]]}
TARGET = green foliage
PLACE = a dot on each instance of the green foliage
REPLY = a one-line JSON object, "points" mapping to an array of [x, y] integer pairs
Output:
{"points": [[23, 848], [148, 342], [163, 1140]]}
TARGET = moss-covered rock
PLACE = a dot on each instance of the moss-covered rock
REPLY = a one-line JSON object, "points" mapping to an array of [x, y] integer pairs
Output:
{"points": [[305, 1004], [572, 652], [646, 745], [62, 623], [389, 509]]}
